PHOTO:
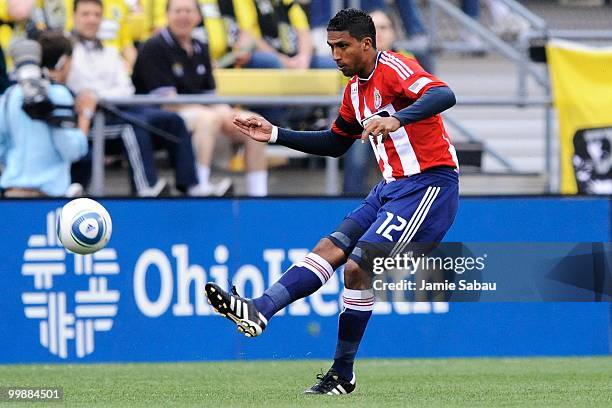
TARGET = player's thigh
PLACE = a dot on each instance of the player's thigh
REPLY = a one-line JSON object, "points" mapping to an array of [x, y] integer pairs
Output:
{"points": [[418, 218], [416, 212]]}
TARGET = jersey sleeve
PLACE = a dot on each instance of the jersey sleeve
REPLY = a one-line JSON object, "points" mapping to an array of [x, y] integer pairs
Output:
{"points": [[346, 124], [413, 80]]}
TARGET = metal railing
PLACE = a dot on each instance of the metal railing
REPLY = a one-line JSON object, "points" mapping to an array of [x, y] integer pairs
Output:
{"points": [[517, 53], [332, 102], [519, 56], [98, 139]]}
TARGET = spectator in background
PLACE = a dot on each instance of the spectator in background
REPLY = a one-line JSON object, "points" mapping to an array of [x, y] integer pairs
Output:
{"points": [[230, 25], [408, 11], [282, 30], [28, 18], [173, 62], [114, 31], [37, 154], [386, 33], [99, 72], [230, 29], [220, 27], [13, 15], [226, 26], [16, 10]]}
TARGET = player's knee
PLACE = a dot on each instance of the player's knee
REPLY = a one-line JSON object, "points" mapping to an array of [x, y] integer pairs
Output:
{"points": [[355, 277], [330, 252]]}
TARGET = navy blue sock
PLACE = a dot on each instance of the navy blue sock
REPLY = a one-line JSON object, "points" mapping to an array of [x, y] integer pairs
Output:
{"points": [[352, 323], [301, 280]]}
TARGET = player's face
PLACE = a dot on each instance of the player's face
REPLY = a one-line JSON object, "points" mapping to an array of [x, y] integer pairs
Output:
{"points": [[183, 17], [349, 53], [87, 19]]}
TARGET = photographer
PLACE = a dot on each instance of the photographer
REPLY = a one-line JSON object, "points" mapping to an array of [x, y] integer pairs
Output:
{"points": [[39, 137]]}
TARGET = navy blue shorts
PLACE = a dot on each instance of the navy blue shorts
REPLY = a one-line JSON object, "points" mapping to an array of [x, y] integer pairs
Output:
{"points": [[420, 208]]}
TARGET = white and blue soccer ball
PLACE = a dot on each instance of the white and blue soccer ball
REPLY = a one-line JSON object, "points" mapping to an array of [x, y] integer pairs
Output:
{"points": [[84, 226]]}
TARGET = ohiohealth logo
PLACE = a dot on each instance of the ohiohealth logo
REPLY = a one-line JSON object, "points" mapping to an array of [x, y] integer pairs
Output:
{"points": [[45, 261]]}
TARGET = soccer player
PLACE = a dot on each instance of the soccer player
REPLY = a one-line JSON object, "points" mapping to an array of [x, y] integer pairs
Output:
{"points": [[392, 102]]}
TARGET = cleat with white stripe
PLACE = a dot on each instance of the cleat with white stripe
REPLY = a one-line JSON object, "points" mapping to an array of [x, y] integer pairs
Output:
{"points": [[332, 383], [241, 311]]}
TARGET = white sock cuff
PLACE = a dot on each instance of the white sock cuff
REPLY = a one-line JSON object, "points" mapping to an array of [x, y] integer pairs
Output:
{"points": [[362, 300], [318, 266], [203, 174], [257, 183]]}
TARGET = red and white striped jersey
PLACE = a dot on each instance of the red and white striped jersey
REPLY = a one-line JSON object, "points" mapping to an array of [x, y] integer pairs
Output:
{"points": [[395, 83]]}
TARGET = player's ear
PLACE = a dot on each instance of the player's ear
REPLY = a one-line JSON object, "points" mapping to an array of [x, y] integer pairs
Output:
{"points": [[366, 43]]}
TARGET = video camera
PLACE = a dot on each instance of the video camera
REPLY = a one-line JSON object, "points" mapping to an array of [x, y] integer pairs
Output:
{"points": [[27, 55]]}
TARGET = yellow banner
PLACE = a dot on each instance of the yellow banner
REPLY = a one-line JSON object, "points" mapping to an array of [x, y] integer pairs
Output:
{"points": [[581, 79]]}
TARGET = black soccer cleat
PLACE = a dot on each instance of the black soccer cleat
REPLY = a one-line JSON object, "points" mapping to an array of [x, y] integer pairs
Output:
{"points": [[332, 384], [239, 310]]}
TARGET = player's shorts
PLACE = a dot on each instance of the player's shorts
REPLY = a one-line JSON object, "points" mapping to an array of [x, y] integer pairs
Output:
{"points": [[416, 209]]}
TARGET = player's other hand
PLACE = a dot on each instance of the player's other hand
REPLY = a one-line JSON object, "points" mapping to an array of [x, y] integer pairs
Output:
{"points": [[255, 127], [380, 127]]}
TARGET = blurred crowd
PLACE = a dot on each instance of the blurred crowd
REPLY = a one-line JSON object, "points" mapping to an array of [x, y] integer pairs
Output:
{"points": [[92, 50]]}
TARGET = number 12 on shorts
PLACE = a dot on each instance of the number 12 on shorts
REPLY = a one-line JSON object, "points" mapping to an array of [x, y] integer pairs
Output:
{"points": [[386, 227]]}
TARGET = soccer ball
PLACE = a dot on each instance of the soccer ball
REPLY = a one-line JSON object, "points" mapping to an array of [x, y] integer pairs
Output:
{"points": [[84, 226]]}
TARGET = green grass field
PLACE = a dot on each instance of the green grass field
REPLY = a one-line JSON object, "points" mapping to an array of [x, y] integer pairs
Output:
{"points": [[548, 382]]}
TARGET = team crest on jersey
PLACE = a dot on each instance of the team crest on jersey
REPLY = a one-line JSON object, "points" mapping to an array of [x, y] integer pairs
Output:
{"points": [[377, 99]]}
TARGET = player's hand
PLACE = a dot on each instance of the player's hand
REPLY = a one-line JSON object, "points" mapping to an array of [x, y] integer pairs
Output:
{"points": [[255, 127], [380, 127]]}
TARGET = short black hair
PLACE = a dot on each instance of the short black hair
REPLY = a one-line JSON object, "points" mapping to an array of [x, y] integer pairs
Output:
{"points": [[54, 45], [77, 2], [358, 24]]}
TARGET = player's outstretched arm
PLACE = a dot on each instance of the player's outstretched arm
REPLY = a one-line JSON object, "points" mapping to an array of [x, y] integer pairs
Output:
{"points": [[321, 143]]}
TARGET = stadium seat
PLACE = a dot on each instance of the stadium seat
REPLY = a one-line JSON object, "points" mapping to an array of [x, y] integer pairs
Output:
{"points": [[279, 82]]}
